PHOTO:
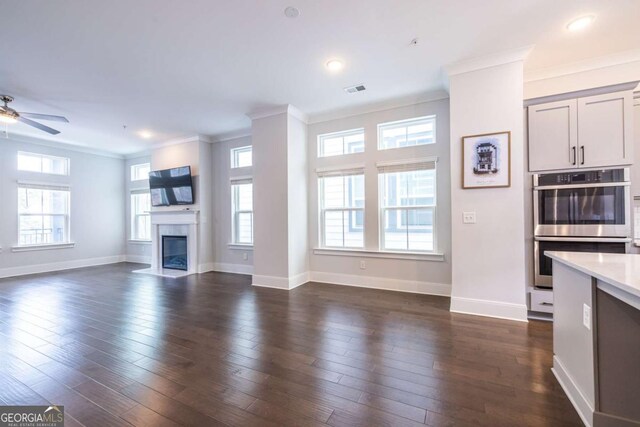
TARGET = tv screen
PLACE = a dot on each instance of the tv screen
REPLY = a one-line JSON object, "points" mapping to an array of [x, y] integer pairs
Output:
{"points": [[171, 187]]}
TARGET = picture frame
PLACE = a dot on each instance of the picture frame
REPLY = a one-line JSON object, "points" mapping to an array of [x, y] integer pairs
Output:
{"points": [[486, 160]]}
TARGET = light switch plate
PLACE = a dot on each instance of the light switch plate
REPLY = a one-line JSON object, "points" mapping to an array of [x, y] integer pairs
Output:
{"points": [[586, 316], [469, 217]]}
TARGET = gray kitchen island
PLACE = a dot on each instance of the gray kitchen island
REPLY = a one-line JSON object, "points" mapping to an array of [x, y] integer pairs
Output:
{"points": [[596, 335]]}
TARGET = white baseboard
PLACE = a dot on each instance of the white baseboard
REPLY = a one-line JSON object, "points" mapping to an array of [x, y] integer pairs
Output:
{"points": [[579, 401], [226, 268], [59, 266], [411, 286], [497, 309], [286, 283], [139, 259]]}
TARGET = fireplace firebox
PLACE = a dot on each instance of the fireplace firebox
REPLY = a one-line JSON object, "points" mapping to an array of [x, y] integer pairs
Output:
{"points": [[174, 252]]}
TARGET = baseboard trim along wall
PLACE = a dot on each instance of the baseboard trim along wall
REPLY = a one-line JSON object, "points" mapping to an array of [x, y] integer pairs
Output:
{"points": [[286, 283], [59, 266], [138, 259], [579, 401], [496, 309], [384, 283], [222, 267]]}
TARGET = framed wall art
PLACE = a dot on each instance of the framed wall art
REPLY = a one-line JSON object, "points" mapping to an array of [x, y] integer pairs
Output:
{"points": [[486, 160]]}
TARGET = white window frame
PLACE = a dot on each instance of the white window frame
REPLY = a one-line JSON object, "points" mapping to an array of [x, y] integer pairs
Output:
{"points": [[67, 163], [234, 156], [351, 211], [235, 212], [406, 166], [67, 215], [343, 135], [134, 216], [405, 124], [134, 175]]}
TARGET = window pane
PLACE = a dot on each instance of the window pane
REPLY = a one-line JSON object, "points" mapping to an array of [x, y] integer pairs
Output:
{"points": [[32, 162], [395, 229], [339, 143], [241, 157], [333, 228], [407, 133], [140, 218], [420, 227], [140, 172], [343, 191], [413, 188], [242, 202], [245, 228]]}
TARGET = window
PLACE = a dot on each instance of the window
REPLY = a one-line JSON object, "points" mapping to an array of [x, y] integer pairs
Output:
{"points": [[140, 172], [342, 209], [406, 133], [140, 218], [242, 206], [241, 157], [338, 143], [408, 207], [43, 213], [32, 162]]}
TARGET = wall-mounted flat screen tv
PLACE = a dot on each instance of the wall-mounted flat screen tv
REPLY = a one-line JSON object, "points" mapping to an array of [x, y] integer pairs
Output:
{"points": [[171, 187]]}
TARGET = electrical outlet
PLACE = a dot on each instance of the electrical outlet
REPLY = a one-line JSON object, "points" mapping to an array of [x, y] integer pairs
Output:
{"points": [[363, 265], [586, 316], [468, 217], [245, 256]]}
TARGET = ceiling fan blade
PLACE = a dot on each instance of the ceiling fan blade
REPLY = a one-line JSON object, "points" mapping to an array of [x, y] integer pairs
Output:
{"points": [[45, 117], [38, 125]]}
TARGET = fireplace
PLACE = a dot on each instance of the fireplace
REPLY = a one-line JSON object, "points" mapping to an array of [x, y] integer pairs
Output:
{"points": [[174, 252]]}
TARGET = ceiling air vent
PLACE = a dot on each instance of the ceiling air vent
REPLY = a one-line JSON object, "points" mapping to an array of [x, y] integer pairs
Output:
{"points": [[354, 89]]}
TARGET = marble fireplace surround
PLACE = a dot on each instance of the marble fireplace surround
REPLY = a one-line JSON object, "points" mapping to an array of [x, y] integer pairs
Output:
{"points": [[173, 223]]}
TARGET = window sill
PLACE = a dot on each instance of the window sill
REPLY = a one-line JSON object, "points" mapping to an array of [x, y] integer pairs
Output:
{"points": [[28, 248], [416, 256], [139, 242], [240, 247]]}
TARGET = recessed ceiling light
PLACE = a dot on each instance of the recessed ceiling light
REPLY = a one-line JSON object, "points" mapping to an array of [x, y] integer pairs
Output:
{"points": [[580, 23], [145, 134], [291, 12], [334, 65]]}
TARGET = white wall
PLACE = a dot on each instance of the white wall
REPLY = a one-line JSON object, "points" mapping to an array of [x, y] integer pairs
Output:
{"points": [[396, 274], [488, 257], [97, 210], [297, 201], [226, 258]]}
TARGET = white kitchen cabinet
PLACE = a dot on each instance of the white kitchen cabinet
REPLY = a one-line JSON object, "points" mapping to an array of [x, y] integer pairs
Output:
{"points": [[553, 135], [588, 132], [605, 130]]}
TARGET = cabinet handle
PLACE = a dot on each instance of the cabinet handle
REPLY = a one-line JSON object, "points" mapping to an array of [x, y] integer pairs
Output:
{"points": [[575, 159], [549, 304], [582, 152]]}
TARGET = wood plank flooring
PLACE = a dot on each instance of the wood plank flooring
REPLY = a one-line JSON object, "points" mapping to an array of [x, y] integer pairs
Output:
{"points": [[121, 349]]}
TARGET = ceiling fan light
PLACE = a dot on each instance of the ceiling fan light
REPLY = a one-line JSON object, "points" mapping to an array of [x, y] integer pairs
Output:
{"points": [[7, 119]]}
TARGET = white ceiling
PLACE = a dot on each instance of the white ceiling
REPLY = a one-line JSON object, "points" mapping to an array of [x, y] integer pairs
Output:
{"points": [[180, 68]]}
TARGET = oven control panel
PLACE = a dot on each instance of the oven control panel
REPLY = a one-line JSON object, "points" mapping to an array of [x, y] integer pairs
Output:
{"points": [[586, 177]]}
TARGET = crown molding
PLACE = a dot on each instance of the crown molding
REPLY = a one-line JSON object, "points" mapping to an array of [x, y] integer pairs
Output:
{"points": [[230, 136], [619, 58], [281, 109], [406, 101], [178, 141], [488, 61], [20, 138]]}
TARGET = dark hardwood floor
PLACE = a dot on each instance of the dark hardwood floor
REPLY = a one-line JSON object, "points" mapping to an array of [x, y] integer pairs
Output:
{"points": [[117, 348]]}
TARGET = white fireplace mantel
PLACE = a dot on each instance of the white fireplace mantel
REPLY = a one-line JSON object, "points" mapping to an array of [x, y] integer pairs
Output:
{"points": [[183, 222]]}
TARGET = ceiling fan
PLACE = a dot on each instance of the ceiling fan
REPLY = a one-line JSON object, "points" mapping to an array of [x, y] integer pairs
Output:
{"points": [[9, 115]]}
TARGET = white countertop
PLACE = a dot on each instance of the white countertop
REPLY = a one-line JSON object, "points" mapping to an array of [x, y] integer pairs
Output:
{"points": [[619, 270]]}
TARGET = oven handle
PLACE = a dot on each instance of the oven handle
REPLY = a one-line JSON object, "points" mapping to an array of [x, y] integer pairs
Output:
{"points": [[583, 239], [570, 186]]}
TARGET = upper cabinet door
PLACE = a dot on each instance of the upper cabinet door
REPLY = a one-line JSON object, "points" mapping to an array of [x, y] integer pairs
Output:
{"points": [[553, 135], [605, 130]]}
